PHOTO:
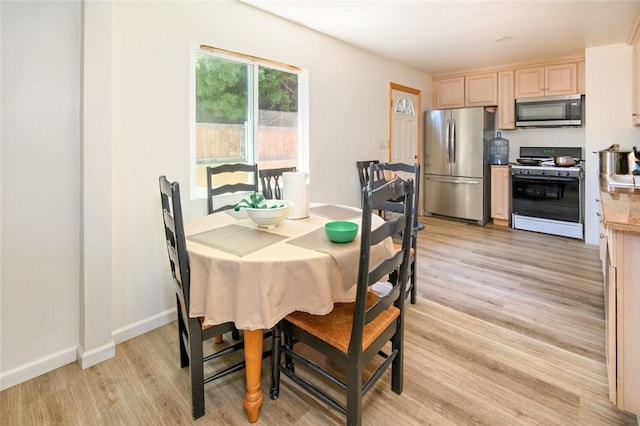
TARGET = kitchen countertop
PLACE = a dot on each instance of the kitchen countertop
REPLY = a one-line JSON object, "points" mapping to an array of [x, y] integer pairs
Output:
{"points": [[620, 207]]}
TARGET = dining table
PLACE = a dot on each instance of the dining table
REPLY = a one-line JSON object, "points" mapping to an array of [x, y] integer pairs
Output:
{"points": [[256, 276]]}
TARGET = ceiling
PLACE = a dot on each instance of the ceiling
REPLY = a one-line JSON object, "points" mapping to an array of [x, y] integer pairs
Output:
{"points": [[443, 36]]}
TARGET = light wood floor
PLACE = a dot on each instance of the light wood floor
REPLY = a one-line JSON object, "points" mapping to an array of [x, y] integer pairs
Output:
{"points": [[508, 330]]}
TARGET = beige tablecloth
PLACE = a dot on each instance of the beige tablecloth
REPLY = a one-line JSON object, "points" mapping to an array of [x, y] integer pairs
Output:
{"points": [[236, 239], [296, 270]]}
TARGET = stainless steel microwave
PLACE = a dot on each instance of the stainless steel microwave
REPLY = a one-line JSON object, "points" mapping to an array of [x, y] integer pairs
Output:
{"points": [[550, 111]]}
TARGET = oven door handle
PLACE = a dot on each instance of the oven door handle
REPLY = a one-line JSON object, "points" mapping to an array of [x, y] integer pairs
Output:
{"points": [[547, 179]]}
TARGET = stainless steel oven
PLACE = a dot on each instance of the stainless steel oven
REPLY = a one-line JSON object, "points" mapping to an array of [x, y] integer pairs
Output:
{"points": [[547, 198]]}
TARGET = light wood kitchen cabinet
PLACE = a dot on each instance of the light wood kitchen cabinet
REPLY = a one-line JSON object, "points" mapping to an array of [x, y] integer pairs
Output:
{"points": [[466, 91], [481, 90], [622, 319], [506, 101], [449, 93], [490, 87], [610, 329], [609, 274], [561, 79], [603, 239], [581, 78], [529, 82], [501, 195]]}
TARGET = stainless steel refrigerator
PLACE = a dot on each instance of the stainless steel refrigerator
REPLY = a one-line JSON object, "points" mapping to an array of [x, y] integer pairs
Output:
{"points": [[456, 170]]}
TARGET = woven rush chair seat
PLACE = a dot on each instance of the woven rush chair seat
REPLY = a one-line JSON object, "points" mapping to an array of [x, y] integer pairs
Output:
{"points": [[335, 327]]}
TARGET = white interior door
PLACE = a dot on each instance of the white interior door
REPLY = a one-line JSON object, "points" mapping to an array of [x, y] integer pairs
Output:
{"points": [[405, 119], [404, 134]]}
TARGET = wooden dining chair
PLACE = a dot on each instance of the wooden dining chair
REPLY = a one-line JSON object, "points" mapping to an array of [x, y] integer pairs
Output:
{"points": [[363, 172], [396, 206], [355, 333], [191, 331], [270, 182], [239, 178]]}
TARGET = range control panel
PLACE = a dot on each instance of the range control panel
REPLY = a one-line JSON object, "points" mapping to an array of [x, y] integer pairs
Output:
{"points": [[547, 171]]}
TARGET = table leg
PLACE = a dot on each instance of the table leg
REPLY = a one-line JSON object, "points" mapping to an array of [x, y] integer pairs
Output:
{"points": [[253, 363]]}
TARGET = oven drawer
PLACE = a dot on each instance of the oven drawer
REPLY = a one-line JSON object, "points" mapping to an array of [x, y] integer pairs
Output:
{"points": [[548, 226]]}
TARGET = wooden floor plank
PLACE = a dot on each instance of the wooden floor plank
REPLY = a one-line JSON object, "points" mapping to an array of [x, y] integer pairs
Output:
{"points": [[508, 330]]}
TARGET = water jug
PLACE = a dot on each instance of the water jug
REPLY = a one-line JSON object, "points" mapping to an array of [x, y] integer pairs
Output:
{"points": [[499, 150]]}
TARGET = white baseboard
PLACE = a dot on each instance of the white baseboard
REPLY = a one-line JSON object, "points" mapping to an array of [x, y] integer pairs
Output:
{"points": [[85, 359], [95, 356], [38, 367], [136, 329]]}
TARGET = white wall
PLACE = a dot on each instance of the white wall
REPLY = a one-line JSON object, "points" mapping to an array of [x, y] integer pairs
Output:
{"points": [[348, 118], [564, 137], [608, 83], [40, 187], [55, 241], [95, 335]]}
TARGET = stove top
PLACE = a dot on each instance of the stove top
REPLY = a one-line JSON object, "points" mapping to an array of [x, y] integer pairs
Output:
{"points": [[547, 170], [546, 165]]}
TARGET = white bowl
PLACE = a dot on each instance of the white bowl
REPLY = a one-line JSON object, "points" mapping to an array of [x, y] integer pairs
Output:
{"points": [[269, 216]]}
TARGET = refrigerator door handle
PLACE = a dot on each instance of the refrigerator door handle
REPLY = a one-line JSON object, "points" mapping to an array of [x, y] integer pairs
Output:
{"points": [[453, 141], [468, 182], [448, 141]]}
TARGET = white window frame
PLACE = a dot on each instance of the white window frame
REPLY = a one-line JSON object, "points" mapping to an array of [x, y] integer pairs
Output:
{"points": [[303, 109]]}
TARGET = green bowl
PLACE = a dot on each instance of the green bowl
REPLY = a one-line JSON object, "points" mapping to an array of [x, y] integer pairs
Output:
{"points": [[341, 231]]}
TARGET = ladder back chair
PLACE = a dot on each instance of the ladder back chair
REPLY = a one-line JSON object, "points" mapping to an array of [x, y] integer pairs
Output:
{"points": [[270, 182], [396, 206], [191, 331], [241, 177], [355, 333], [363, 172]]}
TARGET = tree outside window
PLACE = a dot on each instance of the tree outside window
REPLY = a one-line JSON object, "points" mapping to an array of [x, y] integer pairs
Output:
{"points": [[229, 94]]}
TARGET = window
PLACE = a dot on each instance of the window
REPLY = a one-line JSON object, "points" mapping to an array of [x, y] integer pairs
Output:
{"points": [[404, 106], [246, 110]]}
